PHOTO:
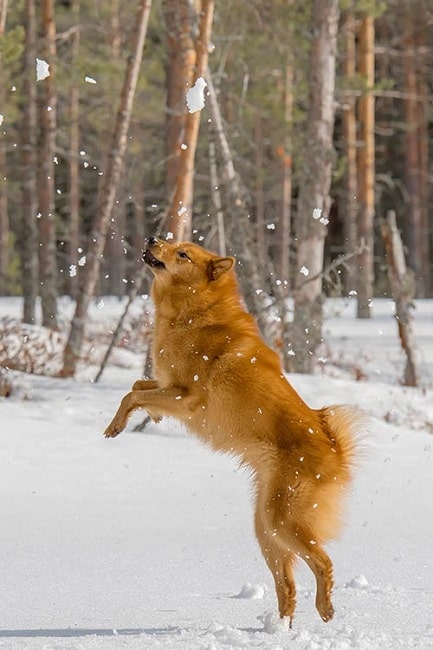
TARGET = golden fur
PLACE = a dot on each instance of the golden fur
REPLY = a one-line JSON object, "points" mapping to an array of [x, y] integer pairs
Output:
{"points": [[214, 373]]}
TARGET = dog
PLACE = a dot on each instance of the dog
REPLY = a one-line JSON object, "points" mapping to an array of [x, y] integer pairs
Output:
{"points": [[214, 373]]}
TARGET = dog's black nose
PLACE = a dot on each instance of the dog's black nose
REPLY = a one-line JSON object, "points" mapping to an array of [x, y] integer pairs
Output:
{"points": [[152, 241]]}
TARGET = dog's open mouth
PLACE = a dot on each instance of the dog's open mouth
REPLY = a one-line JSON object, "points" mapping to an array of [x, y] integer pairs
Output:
{"points": [[152, 261]]}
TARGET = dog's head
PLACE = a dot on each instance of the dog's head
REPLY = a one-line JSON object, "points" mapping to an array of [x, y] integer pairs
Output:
{"points": [[184, 264]]}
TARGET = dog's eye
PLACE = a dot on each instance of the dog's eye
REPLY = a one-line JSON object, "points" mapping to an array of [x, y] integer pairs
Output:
{"points": [[183, 255]]}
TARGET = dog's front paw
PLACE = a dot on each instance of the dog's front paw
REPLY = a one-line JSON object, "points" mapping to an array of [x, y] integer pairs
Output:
{"points": [[112, 430]]}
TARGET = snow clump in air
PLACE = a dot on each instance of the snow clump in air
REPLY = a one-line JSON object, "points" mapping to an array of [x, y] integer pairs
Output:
{"points": [[195, 96], [42, 69]]}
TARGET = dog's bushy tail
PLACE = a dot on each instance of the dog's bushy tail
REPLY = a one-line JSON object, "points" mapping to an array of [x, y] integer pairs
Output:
{"points": [[344, 427]]}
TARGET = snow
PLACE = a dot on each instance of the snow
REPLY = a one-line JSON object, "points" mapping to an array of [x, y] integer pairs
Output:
{"points": [[42, 69], [147, 541], [195, 96]]}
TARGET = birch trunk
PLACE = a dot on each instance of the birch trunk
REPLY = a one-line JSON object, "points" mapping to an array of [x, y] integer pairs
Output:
{"points": [[314, 198], [107, 193]]}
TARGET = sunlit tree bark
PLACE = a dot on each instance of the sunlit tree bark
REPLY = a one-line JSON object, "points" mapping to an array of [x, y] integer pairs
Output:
{"points": [[181, 24], [178, 220]]}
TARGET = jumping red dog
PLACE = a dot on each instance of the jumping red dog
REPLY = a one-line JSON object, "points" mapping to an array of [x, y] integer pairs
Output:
{"points": [[214, 373]]}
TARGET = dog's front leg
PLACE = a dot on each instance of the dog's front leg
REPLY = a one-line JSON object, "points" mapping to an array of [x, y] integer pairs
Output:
{"points": [[158, 402], [145, 384]]}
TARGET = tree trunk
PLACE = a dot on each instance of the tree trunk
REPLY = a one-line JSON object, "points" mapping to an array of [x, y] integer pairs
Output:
{"points": [[4, 217], [107, 193], [178, 220], [350, 202], [116, 250], [74, 148], [3, 14], [287, 158], [314, 198], [181, 22], [216, 196], [286, 212], [239, 229], [414, 152], [29, 231], [260, 202], [366, 169], [46, 172], [403, 291]]}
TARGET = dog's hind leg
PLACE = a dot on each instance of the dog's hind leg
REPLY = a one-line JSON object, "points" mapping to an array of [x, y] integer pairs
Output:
{"points": [[280, 563], [320, 564], [283, 538], [301, 540]]}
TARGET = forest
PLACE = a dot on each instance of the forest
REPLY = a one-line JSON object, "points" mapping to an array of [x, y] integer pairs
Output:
{"points": [[309, 161]]}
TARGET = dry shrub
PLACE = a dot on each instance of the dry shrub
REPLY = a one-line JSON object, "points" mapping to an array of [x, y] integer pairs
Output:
{"points": [[6, 385], [30, 348]]}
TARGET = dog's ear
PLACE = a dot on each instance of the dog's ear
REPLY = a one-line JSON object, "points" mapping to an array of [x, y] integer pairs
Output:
{"points": [[217, 267]]}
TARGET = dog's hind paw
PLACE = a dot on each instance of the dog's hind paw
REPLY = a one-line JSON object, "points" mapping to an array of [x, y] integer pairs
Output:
{"points": [[112, 431], [326, 612]]}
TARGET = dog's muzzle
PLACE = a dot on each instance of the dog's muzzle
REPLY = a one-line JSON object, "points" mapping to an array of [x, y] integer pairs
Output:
{"points": [[149, 258]]}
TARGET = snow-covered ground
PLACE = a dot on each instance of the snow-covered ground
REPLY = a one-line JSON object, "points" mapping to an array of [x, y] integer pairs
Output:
{"points": [[146, 541]]}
